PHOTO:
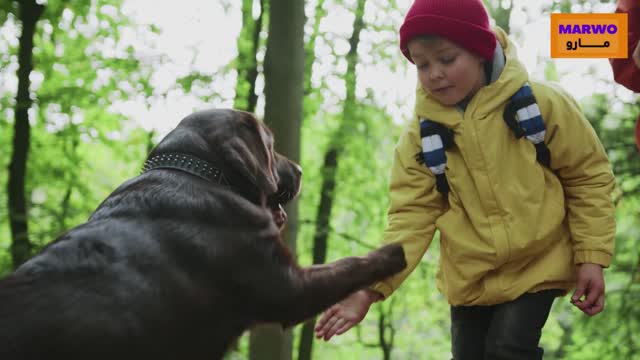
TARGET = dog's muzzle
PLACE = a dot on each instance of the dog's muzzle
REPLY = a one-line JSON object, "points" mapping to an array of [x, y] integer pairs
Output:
{"points": [[279, 215]]}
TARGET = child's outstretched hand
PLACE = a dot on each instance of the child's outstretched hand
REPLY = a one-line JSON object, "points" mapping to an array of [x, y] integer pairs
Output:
{"points": [[591, 286], [346, 314]]}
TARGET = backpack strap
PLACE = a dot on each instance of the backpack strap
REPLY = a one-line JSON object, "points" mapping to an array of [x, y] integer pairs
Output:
{"points": [[522, 116], [435, 139]]}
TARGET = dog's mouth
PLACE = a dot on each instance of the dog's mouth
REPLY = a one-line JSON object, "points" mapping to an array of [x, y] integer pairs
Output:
{"points": [[289, 184], [279, 215], [275, 202]]}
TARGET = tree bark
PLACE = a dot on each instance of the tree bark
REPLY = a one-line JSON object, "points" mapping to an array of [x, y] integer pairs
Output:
{"points": [[310, 47], [330, 168], [248, 44], [386, 338], [252, 74], [21, 247], [284, 78]]}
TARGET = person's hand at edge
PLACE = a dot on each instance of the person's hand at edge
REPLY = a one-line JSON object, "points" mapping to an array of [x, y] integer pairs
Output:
{"points": [[636, 55]]}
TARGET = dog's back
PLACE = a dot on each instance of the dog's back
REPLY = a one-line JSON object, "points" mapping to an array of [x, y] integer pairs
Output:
{"points": [[45, 316], [137, 280]]}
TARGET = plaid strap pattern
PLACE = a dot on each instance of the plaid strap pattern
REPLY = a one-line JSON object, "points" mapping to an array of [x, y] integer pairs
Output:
{"points": [[435, 140], [528, 114], [522, 115]]}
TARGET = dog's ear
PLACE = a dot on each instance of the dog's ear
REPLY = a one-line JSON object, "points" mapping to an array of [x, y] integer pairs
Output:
{"points": [[243, 160]]}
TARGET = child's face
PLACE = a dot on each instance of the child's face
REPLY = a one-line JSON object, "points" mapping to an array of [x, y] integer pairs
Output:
{"points": [[447, 71]]}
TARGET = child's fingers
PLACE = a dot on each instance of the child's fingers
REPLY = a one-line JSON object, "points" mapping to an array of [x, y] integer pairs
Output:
{"points": [[322, 333], [321, 330], [580, 288], [326, 316], [594, 299], [594, 291], [590, 299], [597, 306], [335, 325], [348, 325]]}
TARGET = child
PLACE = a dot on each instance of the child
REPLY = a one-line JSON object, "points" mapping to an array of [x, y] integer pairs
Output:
{"points": [[524, 221]]}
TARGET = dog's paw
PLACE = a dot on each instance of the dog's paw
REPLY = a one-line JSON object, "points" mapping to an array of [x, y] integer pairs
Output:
{"points": [[392, 258]]}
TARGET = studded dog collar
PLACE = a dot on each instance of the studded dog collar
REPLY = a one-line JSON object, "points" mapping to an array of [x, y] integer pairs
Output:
{"points": [[187, 163]]}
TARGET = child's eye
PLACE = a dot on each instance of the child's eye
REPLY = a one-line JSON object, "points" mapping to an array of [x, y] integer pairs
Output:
{"points": [[448, 60], [422, 66]]}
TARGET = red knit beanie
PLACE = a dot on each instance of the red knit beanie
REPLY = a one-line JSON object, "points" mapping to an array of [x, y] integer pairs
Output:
{"points": [[464, 22]]}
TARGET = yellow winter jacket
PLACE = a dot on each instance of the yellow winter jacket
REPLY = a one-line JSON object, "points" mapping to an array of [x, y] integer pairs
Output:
{"points": [[510, 225]]}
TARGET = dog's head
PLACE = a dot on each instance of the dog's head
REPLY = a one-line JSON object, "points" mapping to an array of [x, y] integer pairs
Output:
{"points": [[239, 145], [289, 180]]}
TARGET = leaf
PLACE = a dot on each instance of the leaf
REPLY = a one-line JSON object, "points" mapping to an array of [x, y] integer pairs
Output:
{"points": [[551, 71]]}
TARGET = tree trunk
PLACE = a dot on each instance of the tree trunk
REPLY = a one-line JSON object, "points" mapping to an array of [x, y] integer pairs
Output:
{"points": [[248, 44], [270, 342], [284, 78], [70, 152], [21, 247], [252, 73], [386, 338], [310, 47], [330, 168]]}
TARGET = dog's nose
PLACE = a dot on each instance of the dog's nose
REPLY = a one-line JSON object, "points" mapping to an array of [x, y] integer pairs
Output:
{"points": [[298, 169]]}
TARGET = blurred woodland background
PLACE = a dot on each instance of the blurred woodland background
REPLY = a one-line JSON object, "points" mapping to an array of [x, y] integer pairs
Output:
{"points": [[84, 92]]}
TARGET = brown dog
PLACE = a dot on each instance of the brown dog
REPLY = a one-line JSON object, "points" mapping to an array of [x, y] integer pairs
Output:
{"points": [[179, 261]]}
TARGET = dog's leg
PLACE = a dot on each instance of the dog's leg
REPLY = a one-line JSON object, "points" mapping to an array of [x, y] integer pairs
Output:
{"points": [[309, 291]]}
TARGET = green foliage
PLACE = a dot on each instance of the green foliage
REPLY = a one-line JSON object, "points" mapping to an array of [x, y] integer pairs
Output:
{"points": [[78, 150], [5, 148], [187, 82], [6, 8], [569, 6], [551, 72], [500, 12]]}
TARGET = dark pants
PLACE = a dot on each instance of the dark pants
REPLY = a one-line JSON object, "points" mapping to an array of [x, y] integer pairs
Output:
{"points": [[505, 331]]}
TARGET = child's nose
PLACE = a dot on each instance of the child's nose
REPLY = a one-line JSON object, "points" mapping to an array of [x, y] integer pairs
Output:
{"points": [[436, 73]]}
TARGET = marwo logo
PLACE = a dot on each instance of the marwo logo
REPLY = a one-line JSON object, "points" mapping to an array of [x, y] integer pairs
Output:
{"points": [[589, 35]]}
